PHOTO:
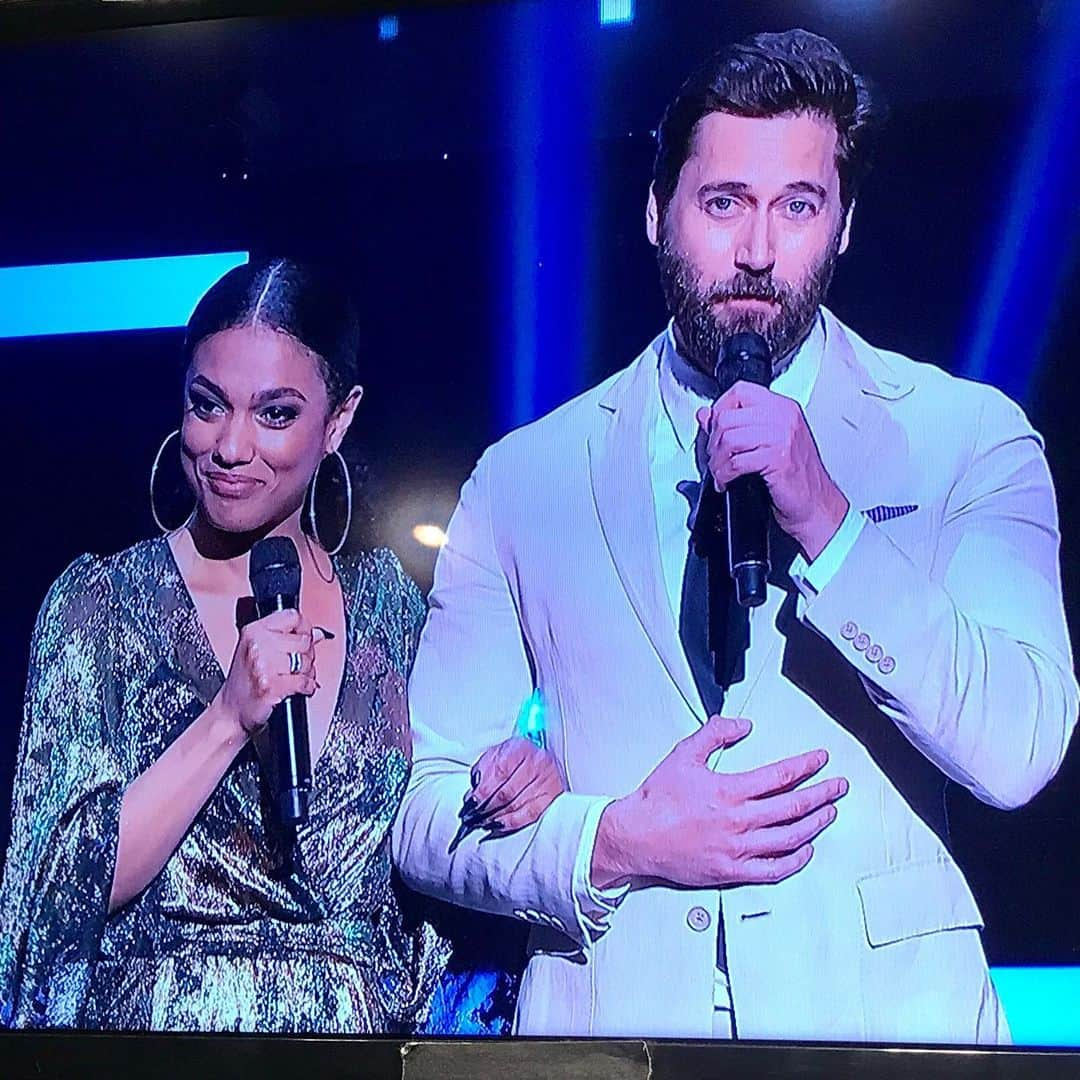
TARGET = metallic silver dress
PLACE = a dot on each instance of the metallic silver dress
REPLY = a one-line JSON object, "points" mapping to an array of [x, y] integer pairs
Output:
{"points": [[233, 935]]}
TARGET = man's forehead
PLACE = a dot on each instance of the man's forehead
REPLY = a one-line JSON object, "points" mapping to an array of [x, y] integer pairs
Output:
{"points": [[775, 149]]}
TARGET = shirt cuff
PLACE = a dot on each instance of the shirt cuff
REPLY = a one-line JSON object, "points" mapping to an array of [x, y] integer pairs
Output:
{"points": [[811, 578], [594, 906]]}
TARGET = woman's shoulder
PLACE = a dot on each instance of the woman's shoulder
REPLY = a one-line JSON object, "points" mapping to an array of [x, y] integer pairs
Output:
{"points": [[95, 578], [377, 569], [381, 591]]}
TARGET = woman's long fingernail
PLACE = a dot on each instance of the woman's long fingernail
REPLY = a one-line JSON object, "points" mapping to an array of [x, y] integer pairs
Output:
{"points": [[474, 776], [328, 634], [467, 807]]}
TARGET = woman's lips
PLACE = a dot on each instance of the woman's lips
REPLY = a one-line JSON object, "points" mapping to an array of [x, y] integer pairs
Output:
{"points": [[228, 486]]}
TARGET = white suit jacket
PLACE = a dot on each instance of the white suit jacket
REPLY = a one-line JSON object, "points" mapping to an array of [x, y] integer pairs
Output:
{"points": [[551, 577]]}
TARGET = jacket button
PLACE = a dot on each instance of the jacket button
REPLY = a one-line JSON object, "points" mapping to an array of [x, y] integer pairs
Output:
{"points": [[874, 653], [697, 918], [848, 630], [861, 641], [886, 665]]}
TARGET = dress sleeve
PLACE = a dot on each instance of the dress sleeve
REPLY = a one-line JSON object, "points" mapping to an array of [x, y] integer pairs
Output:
{"points": [[65, 807]]}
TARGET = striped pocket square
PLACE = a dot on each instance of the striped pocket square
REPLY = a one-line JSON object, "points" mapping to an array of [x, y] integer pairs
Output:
{"points": [[878, 514]]}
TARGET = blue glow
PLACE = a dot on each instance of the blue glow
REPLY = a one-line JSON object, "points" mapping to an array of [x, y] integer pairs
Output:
{"points": [[616, 11], [1035, 241], [94, 297], [1041, 1004], [548, 241], [389, 26]]}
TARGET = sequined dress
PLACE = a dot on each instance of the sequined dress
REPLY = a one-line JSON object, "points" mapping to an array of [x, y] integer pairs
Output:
{"points": [[229, 936]]}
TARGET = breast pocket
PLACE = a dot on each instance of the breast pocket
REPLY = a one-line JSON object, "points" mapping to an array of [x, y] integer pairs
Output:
{"points": [[916, 899]]}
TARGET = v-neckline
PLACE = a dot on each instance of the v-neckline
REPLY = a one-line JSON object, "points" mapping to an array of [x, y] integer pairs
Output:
{"points": [[209, 656]]}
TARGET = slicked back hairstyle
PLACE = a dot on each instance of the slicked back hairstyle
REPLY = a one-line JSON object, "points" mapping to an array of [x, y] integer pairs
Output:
{"points": [[769, 75]]}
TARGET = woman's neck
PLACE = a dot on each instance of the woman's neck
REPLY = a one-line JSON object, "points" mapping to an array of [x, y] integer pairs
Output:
{"points": [[221, 558]]}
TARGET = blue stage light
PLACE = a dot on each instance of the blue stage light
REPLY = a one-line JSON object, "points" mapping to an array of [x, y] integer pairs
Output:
{"points": [[548, 243], [1034, 242], [1040, 1004], [389, 26], [119, 294], [613, 12]]}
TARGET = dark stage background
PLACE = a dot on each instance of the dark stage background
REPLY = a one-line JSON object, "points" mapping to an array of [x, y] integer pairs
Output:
{"points": [[480, 180]]}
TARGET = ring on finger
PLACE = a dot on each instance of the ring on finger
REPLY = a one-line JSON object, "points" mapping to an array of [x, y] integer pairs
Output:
{"points": [[296, 662]]}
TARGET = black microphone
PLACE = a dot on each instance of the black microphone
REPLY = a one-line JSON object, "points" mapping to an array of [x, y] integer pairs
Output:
{"points": [[745, 357], [274, 572]]}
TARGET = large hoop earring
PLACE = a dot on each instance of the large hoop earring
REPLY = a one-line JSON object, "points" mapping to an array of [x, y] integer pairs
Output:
{"points": [[312, 524], [153, 477]]}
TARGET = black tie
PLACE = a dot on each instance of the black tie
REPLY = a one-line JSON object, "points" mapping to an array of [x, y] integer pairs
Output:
{"points": [[715, 633]]}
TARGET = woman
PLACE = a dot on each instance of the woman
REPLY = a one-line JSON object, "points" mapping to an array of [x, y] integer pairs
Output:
{"points": [[146, 884]]}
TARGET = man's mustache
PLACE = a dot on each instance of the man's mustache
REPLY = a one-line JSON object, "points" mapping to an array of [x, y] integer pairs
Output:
{"points": [[748, 288]]}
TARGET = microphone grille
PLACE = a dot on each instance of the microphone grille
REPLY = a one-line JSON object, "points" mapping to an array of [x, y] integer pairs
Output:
{"points": [[744, 357], [274, 568]]}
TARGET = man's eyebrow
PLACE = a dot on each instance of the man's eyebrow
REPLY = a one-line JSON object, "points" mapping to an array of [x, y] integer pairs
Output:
{"points": [[724, 187], [807, 186]]}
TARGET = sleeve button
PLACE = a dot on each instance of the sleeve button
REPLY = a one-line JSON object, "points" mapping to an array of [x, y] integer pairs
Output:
{"points": [[861, 641], [848, 630], [886, 665], [874, 653]]}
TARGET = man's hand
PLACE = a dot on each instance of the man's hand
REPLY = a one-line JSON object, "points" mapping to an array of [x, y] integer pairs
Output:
{"points": [[688, 825], [752, 430]]}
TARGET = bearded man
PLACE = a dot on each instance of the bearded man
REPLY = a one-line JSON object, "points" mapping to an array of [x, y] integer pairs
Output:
{"points": [[798, 884]]}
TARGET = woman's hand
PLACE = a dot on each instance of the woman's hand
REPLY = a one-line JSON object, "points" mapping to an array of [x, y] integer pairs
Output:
{"points": [[260, 675], [513, 783]]}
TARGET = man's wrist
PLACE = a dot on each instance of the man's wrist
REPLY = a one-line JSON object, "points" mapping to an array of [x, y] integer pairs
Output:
{"points": [[613, 865], [815, 537]]}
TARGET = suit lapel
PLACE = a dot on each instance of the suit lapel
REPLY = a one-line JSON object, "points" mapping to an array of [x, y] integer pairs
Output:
{"points": [[622, 492], [854, 432]]}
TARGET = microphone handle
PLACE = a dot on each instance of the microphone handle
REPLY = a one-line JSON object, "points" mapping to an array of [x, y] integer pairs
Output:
{"points": [[289, 747], [749, 513]]}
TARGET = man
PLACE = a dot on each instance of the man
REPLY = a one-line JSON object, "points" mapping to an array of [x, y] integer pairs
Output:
{"points": [[798, 885]]}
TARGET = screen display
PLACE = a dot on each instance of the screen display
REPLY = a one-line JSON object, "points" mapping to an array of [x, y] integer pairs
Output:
{"points": [[622, 691]]}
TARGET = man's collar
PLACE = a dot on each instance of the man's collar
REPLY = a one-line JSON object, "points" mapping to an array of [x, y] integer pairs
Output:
{"points": [[684, 388]]}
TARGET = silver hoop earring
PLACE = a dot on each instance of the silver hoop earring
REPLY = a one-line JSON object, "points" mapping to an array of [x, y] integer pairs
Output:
{"points": [[153, 476], [312, 524]]}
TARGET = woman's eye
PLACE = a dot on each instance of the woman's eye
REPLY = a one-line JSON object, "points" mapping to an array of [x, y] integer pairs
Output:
{"points": [[203, 407], [278, 415]]}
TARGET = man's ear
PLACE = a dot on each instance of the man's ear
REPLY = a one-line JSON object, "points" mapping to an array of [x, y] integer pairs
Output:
{"points": [[845, 235], [652, 218]]}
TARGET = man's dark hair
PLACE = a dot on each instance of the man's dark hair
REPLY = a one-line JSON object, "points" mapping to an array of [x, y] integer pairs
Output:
{"points": [[773, 75]]}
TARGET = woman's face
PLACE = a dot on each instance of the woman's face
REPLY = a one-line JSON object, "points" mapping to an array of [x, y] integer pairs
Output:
{"points": [[256, 425]]}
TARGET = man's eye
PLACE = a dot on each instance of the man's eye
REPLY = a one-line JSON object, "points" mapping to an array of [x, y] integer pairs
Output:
{"points": [[800, 208], [722, 205]]}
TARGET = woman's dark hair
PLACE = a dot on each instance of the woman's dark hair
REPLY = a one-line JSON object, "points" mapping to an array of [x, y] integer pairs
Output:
{"points": [[299, 299], [773, 75], [311, 306]]}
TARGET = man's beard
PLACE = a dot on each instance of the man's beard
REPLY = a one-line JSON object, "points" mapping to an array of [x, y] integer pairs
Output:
{"points": [[703, 328]]}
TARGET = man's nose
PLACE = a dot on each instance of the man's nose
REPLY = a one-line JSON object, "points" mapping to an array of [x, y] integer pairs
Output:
{"points": [[755, 253]]}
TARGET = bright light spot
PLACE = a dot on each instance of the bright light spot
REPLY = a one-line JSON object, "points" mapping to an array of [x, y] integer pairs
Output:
{"points": [[429, 535], [388, 27], [613, 12]]}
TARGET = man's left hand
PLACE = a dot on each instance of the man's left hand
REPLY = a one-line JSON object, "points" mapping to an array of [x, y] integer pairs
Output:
{"points": [[752, 430]]}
